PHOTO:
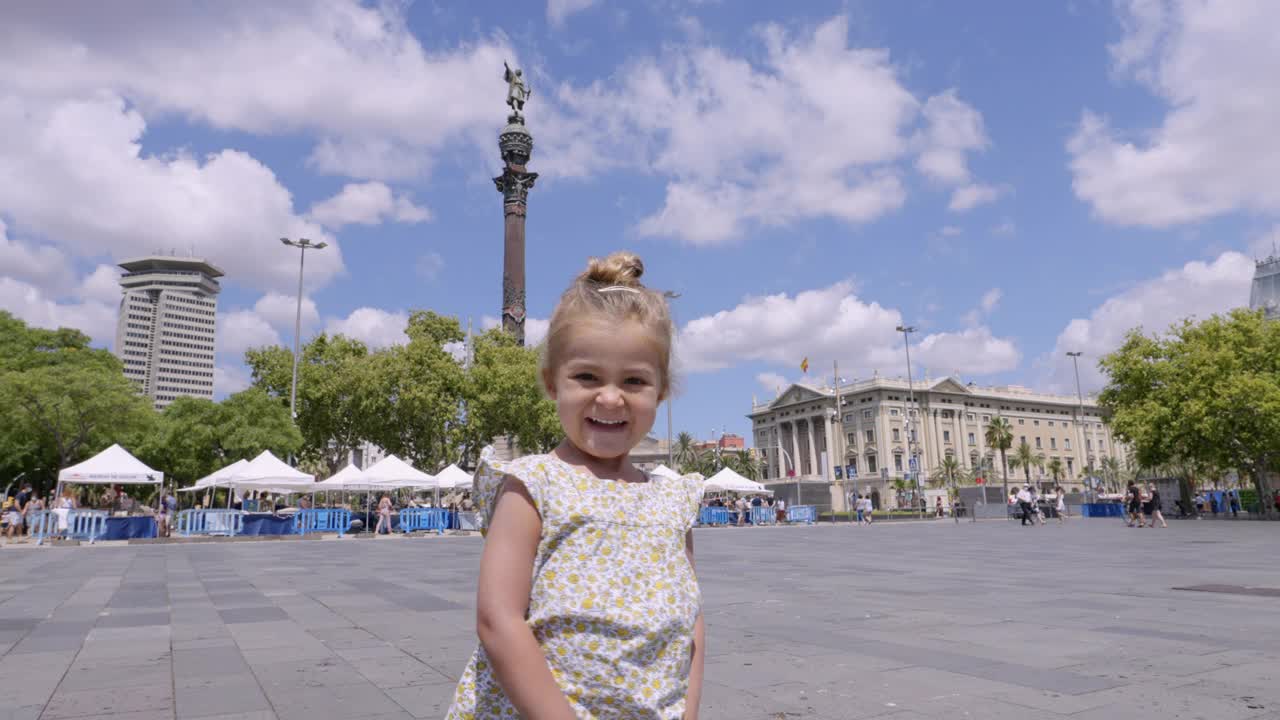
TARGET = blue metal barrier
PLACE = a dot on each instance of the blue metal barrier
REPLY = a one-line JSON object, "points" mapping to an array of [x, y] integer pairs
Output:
{"points": [[86, 525], [316, 520], [763, 516], [43, 524], [714, 516], [427, 519], [209, 522], [802, 513]]}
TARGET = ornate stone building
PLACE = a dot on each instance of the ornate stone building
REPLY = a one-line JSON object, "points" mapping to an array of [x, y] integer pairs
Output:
{"points": [[878, 431]]}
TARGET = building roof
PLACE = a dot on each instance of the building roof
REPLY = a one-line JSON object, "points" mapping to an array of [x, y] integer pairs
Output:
{"points": [[1009, 393], [161, 263]]}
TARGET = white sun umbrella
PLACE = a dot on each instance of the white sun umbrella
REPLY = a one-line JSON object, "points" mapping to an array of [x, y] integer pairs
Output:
{"points": [[454, 478], [216, 478], [392, 472], [728, 480], [270, 473], [111, 466], [666, 472], [348, 478]]}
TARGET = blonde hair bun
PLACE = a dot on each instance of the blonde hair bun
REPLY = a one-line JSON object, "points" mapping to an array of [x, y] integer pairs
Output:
{"points": [[620, 268]]}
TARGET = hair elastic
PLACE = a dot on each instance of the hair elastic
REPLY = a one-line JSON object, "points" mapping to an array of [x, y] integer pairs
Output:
{"points": [[616, 288]]}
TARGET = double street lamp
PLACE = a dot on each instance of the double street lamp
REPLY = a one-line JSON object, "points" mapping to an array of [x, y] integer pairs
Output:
{"points": [[906, 331], [303, 245], [1075, 355]]}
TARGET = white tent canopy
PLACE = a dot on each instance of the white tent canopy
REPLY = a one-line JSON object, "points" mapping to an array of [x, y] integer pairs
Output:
{"points": [[729, 481], [268, 472], [113, 465], [217, 478], [349, 477], [454, 478], [392, 472], [666, 472]]}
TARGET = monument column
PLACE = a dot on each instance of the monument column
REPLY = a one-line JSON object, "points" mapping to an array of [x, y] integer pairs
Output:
{"points": [[516, 145]]}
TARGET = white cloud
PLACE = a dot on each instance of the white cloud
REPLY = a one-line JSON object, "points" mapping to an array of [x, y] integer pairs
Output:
{"points": [[102, 285], [41, 265], [828, 324], [968, 197], [368, 203], [950, 231], [952, 130], [351, 73], [31, 304], [1007, 228], [226, 206], [280, 311], [772, 382], [1196, 289], [813, 128], [429, 265], [240, 330], [990, 299], [1216, 150], [374, 327], [230, 379], [559, 10]]}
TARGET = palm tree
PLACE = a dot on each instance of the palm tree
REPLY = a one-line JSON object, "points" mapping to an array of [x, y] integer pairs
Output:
{"points": [[1026, 458], [1111, 471], [744, 463], [999, 435], [1055, 469], [899, 490], [685, 452], [947, 473]]}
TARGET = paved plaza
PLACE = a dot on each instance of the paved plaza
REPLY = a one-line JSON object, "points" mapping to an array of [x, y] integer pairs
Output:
{"points": [[931, 620]]}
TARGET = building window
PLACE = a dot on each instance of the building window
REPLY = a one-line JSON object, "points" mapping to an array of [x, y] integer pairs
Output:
{"points": [[969, 417], [1038, 442], [866, 414], [1022, 439], [986, 418], [1036, 423], [946, 436], [1067, 443], [871, 464], [870, 435], [913, 413], [1102, 445], [1021, 421], [972, 439], [853, 439], [1053, 443], [896, 435], [897, 462], [893, 412], [1050, 423], [848, 417], [1088, 444]]}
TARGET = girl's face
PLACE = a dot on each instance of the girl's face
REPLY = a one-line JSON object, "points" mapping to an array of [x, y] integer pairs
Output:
{"points": [[607, 386]]}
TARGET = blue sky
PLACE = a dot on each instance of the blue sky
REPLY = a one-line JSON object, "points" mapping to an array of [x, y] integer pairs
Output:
{"points": [[1015, 179]]}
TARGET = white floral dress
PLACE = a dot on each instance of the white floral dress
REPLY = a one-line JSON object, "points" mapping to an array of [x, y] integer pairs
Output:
{"points": [[614, 597]]}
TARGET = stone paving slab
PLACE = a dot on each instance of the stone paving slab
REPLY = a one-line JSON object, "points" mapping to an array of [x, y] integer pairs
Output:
{"points": [[904, 621]]}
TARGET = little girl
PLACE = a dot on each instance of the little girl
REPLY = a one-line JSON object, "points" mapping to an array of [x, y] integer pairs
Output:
{"points": [[588, 605]]}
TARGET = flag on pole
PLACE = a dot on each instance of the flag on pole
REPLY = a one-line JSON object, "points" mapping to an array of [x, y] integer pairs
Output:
{"points": [[804, 365]]}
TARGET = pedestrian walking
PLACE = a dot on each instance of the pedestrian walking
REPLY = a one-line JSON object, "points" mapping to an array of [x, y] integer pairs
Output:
{"points": [[1233, 498], [857, 509], [1155, 513], [1133, 500], [1061, 506], [1024, 505], [384, 516]]}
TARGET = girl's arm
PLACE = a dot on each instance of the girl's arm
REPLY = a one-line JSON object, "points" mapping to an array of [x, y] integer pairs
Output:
{"points": [[694, 697], [502, 599]]}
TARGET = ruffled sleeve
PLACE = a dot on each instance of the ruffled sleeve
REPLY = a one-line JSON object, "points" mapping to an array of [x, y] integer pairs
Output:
{"points": [[691, 489], [488, 480]]}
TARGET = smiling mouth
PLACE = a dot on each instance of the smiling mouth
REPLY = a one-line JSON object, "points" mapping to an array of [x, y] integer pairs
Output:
{"points": [[606, 424]]}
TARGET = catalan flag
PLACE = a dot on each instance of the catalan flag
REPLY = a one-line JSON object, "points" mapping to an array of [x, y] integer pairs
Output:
{"points": [[804, 365]]}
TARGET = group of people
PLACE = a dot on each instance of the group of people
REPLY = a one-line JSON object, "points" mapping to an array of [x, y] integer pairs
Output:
{"points": [[1142, 506], [1030, 508], [740, 509], [18, 509]]}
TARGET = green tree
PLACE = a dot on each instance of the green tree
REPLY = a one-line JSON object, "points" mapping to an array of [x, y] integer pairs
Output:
{"points": [[420, 389], [1026, 458], [336, 403], [947, 474], [1207, 392], [194, 437], [63, 400], [743, 463], [1056, 469], [685, 452], [504, 397], [999, 435]]}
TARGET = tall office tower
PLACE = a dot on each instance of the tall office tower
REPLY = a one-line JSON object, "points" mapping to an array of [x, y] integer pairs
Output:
{"points": [[165, 333], [1266, 287]]}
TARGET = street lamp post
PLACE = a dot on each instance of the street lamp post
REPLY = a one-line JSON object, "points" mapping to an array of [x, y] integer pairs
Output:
{"points": [[303, 246], [1074, 355], [906, 331], [669, 295]]}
